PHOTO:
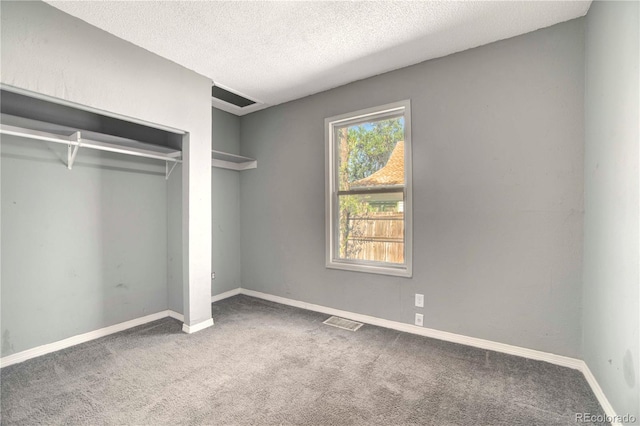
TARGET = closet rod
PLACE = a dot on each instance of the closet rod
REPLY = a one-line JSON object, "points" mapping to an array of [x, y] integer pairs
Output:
{"points": [[87, 143]]}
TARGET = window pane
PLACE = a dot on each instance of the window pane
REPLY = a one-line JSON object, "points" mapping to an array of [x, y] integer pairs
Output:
{"points": [[370, 154], [371, 227]]}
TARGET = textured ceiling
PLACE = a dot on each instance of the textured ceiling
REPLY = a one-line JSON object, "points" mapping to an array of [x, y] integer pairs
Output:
{"points": [[274, 52]]}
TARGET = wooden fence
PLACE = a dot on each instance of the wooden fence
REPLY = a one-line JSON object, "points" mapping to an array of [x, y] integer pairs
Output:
{"points": [[377, 236]]}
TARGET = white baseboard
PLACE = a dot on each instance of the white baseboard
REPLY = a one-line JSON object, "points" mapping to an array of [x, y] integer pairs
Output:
{"points": [[80, 338], [176, 315], [226, 294], [574, 363], [597, 390], [189, 329], [427, 332]]}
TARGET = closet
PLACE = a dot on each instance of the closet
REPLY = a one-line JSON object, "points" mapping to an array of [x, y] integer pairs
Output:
{"points": [[86, 227]]}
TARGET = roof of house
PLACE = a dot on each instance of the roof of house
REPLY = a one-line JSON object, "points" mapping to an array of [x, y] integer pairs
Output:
{"points": [[391, 174]]}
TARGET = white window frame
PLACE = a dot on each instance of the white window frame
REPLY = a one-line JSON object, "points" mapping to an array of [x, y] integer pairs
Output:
{"points": [[331, 191]]}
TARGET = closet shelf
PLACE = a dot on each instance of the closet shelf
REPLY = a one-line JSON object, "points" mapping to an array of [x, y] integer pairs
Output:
{"points": [[225, 160], [76, 139]]}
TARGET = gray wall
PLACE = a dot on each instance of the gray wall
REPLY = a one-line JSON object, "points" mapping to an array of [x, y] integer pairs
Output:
{"points": [[611, 294], [47, 51], [82, 248], [498, 194]]}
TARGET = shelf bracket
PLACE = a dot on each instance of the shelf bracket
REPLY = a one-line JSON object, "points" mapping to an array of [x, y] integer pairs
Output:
{"points": [[72, 148], [168, 169]]}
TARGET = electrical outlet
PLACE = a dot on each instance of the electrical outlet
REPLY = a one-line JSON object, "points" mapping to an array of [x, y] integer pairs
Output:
{"points": [[419, 319], [213, 275], [420, 300]]}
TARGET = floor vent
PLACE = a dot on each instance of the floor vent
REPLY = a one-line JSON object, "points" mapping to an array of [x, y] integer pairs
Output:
{"points": [[343, 323]]}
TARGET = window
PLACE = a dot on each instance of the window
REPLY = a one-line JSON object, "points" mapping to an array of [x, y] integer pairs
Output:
{"points": [[368, 190]]}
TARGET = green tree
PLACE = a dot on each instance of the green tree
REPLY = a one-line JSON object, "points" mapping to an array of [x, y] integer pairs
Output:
{"points": [[369, 146]]}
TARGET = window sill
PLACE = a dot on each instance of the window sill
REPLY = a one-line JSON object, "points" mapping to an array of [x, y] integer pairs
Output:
{"points": [[404, 271]]}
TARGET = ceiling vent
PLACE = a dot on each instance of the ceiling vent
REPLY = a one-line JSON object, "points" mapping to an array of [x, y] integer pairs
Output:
{"points": [[230, 97], [232, 102]]}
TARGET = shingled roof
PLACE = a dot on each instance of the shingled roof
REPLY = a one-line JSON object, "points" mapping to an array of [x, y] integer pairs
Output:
{"points": [[391, 174]]}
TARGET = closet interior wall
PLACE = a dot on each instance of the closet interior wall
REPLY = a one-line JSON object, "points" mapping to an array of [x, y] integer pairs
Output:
{"points": [[81, 248]]}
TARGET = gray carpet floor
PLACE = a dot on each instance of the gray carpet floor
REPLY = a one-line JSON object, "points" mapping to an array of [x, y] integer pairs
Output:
{"points": [[264, 364]]}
